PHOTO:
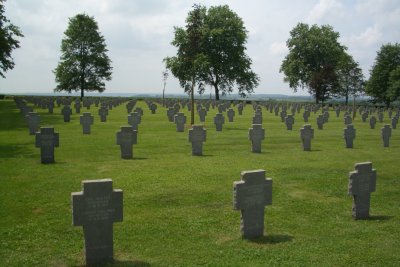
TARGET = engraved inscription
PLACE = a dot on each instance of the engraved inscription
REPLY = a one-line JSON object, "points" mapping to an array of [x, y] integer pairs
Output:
{"points": [[98, 209]]}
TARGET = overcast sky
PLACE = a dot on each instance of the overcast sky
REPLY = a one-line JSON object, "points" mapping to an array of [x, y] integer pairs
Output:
{"points": [[138, 35]]}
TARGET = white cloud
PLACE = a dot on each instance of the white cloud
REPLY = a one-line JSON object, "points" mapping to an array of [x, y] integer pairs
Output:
{"points": [[278, 48], [324, 10], [371, 36]]}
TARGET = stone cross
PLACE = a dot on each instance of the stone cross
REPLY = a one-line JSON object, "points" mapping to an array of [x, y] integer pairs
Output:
{"points": [[326, 116], [126, 138], [139, 110], [231, 114], [364, 116], [47, 140], [66, 112], [347, 120], [197, 135], [257, 119], [386, 133], [202, 113], [96, 208], [134, 119], [153, 108], [306, 134], [283, 115], [320, 122], [86, 121], [361, 183], [103, 112], [180, 120], [289, 120], [372, 122], [337, 110], [256, 135], [349, 134], [50, 106], [77, 106], [33, 119], [380, 117], [170, 113], [250, 195], [240, 108], [219, 120], [394, 122], [306, 115]]}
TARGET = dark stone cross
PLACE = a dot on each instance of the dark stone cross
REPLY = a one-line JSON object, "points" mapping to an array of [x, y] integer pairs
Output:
{"points": [[197, 135], [250, 196], [47, 140], [96, 208], [126, 138], [103, 112], [86, 121], [256, 135], [361, 183]]}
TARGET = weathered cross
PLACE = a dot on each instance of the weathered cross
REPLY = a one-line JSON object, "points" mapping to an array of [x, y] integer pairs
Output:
{"points": [[66, 112], [250, 196], [231, 114], [289, 120], [197, 135], [219, 120], [349, 134], [126, 138], [47, 139], [361, 183], [202, 113], [86, 121], [306, 134], [96, 208], [256, 135], [134, 119], [386, 133], [180, 120], [103, 112], [33, 120]]}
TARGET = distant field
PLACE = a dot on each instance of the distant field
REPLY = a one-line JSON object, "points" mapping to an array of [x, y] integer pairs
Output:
{"points": [[178, 208]]}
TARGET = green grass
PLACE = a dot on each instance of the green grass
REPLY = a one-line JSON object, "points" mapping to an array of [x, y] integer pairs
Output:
{"points": [[178, 208]]}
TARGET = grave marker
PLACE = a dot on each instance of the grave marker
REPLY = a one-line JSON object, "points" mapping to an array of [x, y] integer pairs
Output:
{"points": [[33, 119], [362, 183], [134, 119], [289, 120], [306, 134], [219, 120], [386, 133], [86, 121], [197, 135], [256, 135], [126, 138], [96, 208], [180, 120], [47, 140], [250, 195], [66, 112], [349, 134]]}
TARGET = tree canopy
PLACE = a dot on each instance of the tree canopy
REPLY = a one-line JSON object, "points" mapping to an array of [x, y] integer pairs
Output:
{"points": [[8, 41], [84, 64], [384, 82], [314, 60], [351, 78], [218, 58]]}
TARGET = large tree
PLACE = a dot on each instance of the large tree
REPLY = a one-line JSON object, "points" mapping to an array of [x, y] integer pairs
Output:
{"points": [[8, 41], [351, 78], [313, 60], [84, 64], [383, 84], [221, 61]]}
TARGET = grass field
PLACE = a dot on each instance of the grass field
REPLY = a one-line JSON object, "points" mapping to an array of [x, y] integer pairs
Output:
{"points": [[178, 208]]}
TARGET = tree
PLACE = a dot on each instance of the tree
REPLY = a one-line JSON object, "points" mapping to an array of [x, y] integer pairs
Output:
{"points": [[313, 60], [384, 78], [164, 77], [8, 41], [84, 64], [189, 62], [221, 60], [351, 78]]}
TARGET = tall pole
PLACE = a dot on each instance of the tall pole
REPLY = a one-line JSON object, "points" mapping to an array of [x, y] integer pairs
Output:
{"points": [[192, 103]]}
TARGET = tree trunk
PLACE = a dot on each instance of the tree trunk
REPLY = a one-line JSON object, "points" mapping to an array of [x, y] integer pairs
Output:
{"points": [[216, 91], [192, 103], [163, 96], [82, 93], [347, 99]]}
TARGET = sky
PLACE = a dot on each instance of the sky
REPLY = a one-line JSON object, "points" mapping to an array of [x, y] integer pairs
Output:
{"points": [[138, 35]]}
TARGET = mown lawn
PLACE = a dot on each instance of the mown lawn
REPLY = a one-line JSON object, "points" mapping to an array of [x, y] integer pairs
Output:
{"points": [[178, 208]]}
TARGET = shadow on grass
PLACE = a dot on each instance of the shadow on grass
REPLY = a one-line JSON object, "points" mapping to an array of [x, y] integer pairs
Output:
{"points": [[379, 218], [134, 263], [16, 151], [272, 239]]}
